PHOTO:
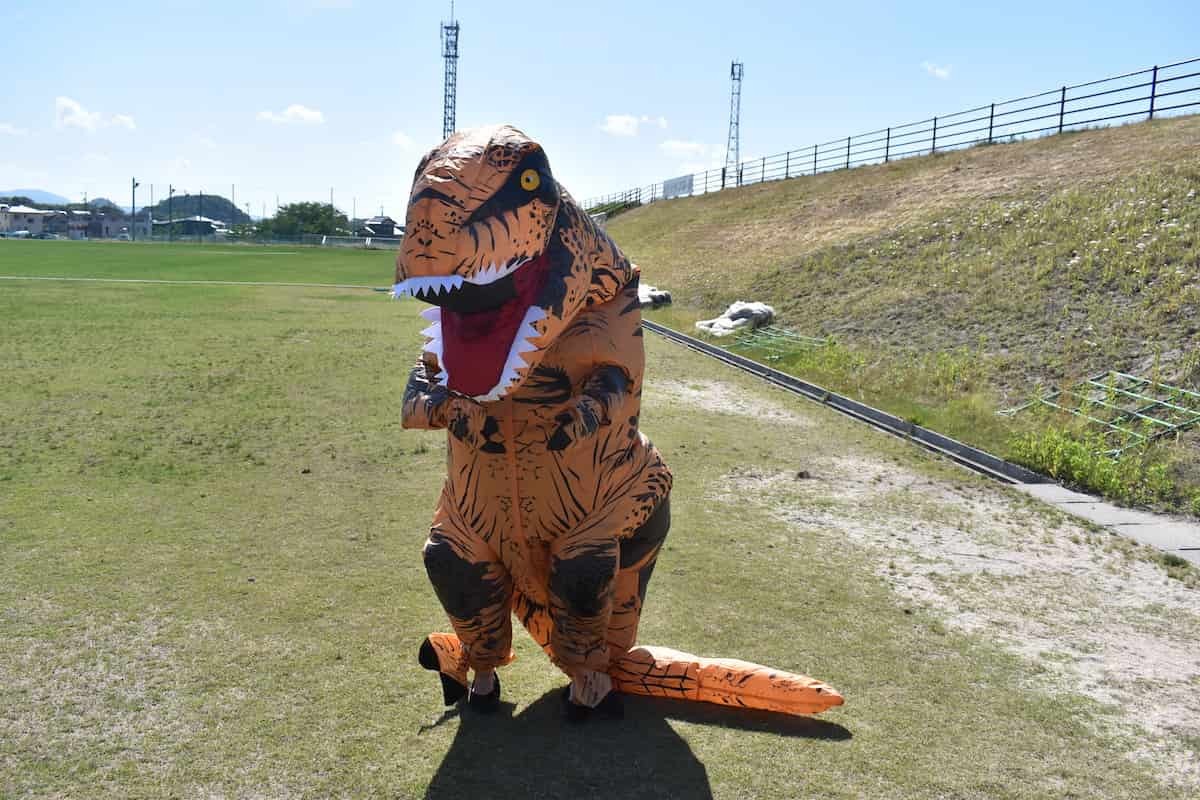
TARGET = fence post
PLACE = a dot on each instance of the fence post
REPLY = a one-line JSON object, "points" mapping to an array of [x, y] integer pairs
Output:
{"points": [[991, 116], [1153, 90], [723, 177], [706, 181], [1062, 107], [887, 146], [814, 159], [762, 173], [933, 147], [787, 164], [847, 152]]}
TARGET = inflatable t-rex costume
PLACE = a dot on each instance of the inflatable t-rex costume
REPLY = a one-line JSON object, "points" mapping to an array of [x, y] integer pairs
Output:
{"points": [[555, 505]]}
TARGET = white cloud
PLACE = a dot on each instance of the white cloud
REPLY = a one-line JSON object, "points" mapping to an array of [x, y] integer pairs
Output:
{"points": [[69, 113], [620, 125], [402, 140], [677, 148], [12, 130], [628, 124], [294, 113], [941, 73]]}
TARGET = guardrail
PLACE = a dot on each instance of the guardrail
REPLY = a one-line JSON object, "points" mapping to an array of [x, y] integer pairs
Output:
{"points": [[1162, 90]]}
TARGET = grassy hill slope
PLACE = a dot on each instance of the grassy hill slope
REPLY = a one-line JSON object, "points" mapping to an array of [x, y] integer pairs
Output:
{"points": [[957, 284]]}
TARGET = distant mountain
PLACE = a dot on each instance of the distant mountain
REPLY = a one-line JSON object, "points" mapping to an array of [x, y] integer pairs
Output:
{"points": [[212, 206], [107, 206], [37, 196]]}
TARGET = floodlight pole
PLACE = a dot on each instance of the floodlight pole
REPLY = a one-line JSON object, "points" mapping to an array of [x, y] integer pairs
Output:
{"points": [[133, 184]]}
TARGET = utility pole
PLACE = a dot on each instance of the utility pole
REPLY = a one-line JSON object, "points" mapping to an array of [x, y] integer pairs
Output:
{"points": [[232, 201], [170, 212], [133, 184], [200, 216]]}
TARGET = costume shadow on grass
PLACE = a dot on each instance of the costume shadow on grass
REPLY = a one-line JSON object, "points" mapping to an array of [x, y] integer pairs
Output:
{"points": [[539, 754]]}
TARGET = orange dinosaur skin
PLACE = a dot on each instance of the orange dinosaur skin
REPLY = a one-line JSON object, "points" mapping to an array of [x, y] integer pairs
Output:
{"points": [[555, 504]]}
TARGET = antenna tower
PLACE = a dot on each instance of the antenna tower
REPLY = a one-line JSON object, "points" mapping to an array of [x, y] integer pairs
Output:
{"points": [[733, 150], [450, 54]]}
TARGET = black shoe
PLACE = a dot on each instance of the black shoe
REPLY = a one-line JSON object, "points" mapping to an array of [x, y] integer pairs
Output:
{"points": [[485, 703], [611, 707]]}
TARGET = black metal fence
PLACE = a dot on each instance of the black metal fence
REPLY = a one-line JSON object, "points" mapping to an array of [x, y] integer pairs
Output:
{"points": [[1158, 91]]}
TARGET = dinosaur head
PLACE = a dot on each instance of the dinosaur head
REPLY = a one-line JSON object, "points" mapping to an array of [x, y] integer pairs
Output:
{"points": [[503, 254]]}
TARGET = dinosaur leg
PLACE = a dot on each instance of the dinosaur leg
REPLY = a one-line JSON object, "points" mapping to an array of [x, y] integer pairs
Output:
{"points": [[583, 568], [475, 590], [639, 553]]}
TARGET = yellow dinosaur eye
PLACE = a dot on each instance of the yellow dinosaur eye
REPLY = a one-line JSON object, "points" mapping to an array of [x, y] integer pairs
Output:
{"points": [[530, 180]]}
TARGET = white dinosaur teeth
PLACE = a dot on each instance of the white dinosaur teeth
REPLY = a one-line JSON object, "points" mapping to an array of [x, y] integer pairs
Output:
{"points": [[490, 273], [434, 345], [427, 285]]}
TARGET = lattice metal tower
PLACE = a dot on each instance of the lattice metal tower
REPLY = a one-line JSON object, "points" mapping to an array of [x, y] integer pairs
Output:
{"points": [[450, 54], [733, 150]]}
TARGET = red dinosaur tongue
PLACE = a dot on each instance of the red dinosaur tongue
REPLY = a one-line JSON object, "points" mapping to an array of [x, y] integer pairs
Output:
{"points": [[475, 346]]}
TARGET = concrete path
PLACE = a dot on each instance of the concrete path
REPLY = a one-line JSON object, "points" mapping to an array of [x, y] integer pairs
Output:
{"points": [[1166, 533]]}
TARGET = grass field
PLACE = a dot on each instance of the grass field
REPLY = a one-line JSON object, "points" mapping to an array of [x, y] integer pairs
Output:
{"points": [[210, 583], [959, 284]]}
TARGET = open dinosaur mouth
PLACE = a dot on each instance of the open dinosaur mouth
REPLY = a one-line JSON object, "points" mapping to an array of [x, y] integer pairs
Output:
{"points": [[481, 325]]}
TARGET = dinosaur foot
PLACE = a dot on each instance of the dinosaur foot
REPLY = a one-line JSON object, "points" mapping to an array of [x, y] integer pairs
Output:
{"points": [[454, 680], [444, 654]]}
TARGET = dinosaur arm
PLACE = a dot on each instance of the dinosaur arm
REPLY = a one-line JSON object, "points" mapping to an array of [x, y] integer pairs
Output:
{"points": [[426, 403], [603, 392]]}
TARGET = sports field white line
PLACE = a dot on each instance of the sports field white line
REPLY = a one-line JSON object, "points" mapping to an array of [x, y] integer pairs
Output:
{"points": [[192, 283]]}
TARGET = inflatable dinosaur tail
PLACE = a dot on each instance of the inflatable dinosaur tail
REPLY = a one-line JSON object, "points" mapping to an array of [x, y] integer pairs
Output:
{"points": [[662, 672]]}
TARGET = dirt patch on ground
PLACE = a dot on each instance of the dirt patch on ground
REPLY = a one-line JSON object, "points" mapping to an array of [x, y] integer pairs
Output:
{"points": [[726, 398], [1091, 611]]}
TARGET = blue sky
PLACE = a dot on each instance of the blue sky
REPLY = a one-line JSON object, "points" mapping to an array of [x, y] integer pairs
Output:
{"points": [[290, 98]]}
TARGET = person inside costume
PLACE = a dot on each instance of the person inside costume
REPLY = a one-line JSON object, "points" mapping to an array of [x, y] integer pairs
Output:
{"points": [[555, 504]]}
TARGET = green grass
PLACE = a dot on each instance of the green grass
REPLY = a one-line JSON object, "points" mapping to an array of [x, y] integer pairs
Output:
{"points": [[960, 284], [210, 583], [191, 261]]}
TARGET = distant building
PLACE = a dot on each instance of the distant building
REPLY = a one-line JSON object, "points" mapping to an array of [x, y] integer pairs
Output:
{"points": [[110, 226], [379, 226], [22, 218], [189, 226]]}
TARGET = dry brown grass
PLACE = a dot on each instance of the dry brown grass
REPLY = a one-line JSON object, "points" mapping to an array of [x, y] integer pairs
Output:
{"points": [[721, 240]]}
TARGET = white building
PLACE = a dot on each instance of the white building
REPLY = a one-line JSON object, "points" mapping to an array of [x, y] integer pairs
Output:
{"points": [[22, 218]]}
